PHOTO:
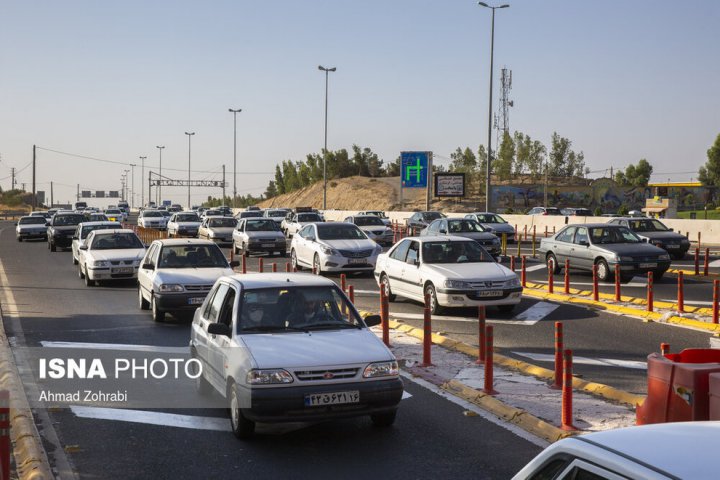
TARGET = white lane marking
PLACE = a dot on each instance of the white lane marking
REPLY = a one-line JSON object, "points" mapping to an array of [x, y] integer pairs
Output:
{"points": [[532, 318], [542, 266], [559, 283], [714, 263], [537, 312], [605, 362], [152, 418], [406, 395], [115, 346], [687, 302], [367, 292]]}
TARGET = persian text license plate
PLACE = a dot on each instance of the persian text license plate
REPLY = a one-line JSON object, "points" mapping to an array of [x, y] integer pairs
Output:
{"points": [[647, 265], [196, 300], [336, 398], [122, 270], [356, 261], [490, 293], [267, 245]]}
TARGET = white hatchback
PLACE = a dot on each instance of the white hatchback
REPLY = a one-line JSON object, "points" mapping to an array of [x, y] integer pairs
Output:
{"points": [[82, 232], [110, 255]]}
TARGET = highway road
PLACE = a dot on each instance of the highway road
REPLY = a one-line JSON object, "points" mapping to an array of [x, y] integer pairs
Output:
{"points": [[44, 301]]}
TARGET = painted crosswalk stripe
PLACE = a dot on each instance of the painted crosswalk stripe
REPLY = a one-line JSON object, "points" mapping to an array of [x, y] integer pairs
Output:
{"points": [[535, 268], [115, 346], [605, 362], [153, 418], [531, 316]]}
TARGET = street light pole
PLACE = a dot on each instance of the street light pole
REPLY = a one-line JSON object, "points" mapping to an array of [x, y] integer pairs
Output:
{"points": [[132, 186], [234, 112], [159, 188], [327, 71], [142, 183], [489, 146], [189, 134]]}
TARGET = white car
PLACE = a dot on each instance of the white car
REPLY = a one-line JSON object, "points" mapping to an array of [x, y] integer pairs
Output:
{"points": [[110, 255], [262, 235], [290, 347], [82, 232], [152, 219], [276, 214], [115, 215], [31, 227], [374, 228], [454, 271], [653, 452], [183, 224], [218, 229], [377, 213], [333, 247], [176, 274], [294, 222]]}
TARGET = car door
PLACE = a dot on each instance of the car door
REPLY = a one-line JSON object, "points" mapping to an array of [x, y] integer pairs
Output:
{"points": [[216, 312], [172, 225], [147, 275], [580, 253], [563, 245], [410, 276], [239, 233], [307, 242], [395, 266]]}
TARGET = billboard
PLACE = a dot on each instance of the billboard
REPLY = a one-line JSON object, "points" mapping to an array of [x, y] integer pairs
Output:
{"points": [[414, 169], [449, 184], [85, 194], [100, 194], [113, 194]]}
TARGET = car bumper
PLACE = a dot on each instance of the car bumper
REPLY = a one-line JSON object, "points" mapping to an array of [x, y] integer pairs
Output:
{"points": [[108, 274], [180, 301], [187, 233], [287, 404], [344, 264], [637, 268], [62, 240], [32, 235], [258, 248], [470, 298], [676, 249]]}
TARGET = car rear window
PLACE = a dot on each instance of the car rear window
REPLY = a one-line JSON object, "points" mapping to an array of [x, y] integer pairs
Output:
{"points": [[261, 226], [64, 220], [115, 241], [454, 252], [32, 221]]}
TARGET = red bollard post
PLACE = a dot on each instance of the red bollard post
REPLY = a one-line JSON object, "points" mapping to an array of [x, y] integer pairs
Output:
{"points": [[482, 353], [697, 261], [664, 348], [488, 386], [716, 294], [551, 278], [559, 345], [244, 264], [525, 233], [384, 316], [343, 282], [512, 262], [261, 265], [534, 234], [618, 292], [232, 253], [706, 264], [522, 272], [680, 293], [5, 447], [650, 292], [351, 294], [595, 287], [427, 334], [567, 275], [274, 267], [546, 231], [553, 229], [288, 268], [567, 410]]}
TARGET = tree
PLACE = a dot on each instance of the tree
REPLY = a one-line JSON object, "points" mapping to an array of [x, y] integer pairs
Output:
{"points": [[393, 169], [635, 175], [366, 163], [505, 158], [271, 190], [279, 181], [563, 161], [709, 174]]}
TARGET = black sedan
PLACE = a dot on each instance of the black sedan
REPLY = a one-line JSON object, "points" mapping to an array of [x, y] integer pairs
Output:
{"points": [[656, 233]]}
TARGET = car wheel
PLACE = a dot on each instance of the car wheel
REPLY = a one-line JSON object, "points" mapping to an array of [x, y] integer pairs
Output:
{"points": [[383, 419], [53, 248], [282, 254], [142, 303], [245, 250], [19, 239], [435, 307], [678, 256], [552, 263], [603, 271], [658, 275], [506, 308], [88, 282], [157, 314], [81, 275], [241, 426], [293, 260], [316, 265], [75, 261], [626, 278], [385, 282]]}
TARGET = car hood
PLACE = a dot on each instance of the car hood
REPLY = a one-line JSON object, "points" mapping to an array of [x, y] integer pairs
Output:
{"points": [[221, 230], [314, 349], [65, 228], [475, 235], [188, 224], [21, 228], [118, 254], [465, 271], [191, 275], [500, 227], [661, 235], [632, 249], [350, 244], [373, 228], [268, 234]]}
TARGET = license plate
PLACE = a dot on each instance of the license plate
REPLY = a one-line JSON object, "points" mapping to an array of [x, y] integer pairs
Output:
{"points": [[196, 300], [490, 293], [122, 270], [336, 398], [647, 265], [267, 245], [356, 261], [672, 246]]}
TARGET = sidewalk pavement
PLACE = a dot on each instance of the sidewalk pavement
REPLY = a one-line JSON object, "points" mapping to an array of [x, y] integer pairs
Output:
{"points": [[522, 399]]}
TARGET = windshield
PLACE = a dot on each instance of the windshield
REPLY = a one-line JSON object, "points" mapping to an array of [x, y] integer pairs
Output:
{"points": [[368, 221], [339, 231], [222, 222], [152, 214], [113, 212], [86, 229], [308, 217], [116, 241], [67, 220], [490, 218], [605, 235], [296, 308], [192, 256], [32, 221], [275, 213], [647, 226], [187, 217], [250, 215], [464, 226], [377, 213], [454, 252], [261, 226], [430, 216]]}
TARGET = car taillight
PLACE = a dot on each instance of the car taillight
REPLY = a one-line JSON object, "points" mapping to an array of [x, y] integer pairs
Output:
{"points": [[545, 213]]}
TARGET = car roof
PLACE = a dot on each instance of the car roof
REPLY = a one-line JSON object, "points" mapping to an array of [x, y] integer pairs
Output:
{"points": [[634, 218], [364, 216], [111, 230], [683, 449], [594, 225], [31, 216], [103, 222], [279, 280], [183, 241], [440, 238]]}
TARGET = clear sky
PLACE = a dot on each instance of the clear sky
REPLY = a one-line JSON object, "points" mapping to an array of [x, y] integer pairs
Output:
{"points": [[623, 80]]}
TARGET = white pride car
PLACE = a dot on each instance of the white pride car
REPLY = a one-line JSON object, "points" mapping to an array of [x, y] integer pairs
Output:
{"points": [[183, 224], [333, 247], [454, 271], [290, 347], [110, 255]]}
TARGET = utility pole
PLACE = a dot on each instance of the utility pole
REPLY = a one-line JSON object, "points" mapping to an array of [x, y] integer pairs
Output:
{"points": [[52, 199], [189, 134], [125, 182], [34, 201], [234, 112], [546, 185], [142, 185], [132, 188], [150, 187], [159, 188], [223, 189], [77, 195], [12, 180]]}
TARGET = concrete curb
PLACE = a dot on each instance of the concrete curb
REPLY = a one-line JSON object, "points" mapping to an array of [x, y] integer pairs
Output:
{"points": [[31, 462]]}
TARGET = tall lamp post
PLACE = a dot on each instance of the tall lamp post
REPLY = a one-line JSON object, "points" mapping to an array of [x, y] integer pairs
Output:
{"points": [[159, 188], [489, 148], [132, 186], [327, 71], [142, 183], [234, 112], [189, 134]]}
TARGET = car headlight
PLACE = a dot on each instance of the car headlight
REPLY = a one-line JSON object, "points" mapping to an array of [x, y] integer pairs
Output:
{"points": [[267, 377], [100, 263], [513, 282], [685, 241], [171, 287], [664, 256], [328, 251], [456, 284], [657, 243], [495, 241], [381, 369], [625, 259], [378, 249]]}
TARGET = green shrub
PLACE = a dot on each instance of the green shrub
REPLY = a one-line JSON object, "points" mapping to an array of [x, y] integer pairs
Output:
{"points": [[622, 209], [598, 212]]}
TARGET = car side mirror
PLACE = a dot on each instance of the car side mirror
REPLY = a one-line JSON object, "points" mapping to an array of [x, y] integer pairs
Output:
{"points": [[645, 240], [75, 237], [83, 247], [372, 320], [584, 243], [443, 231], [234, 264], [146, 266], [672, 229], [219, 329]]}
